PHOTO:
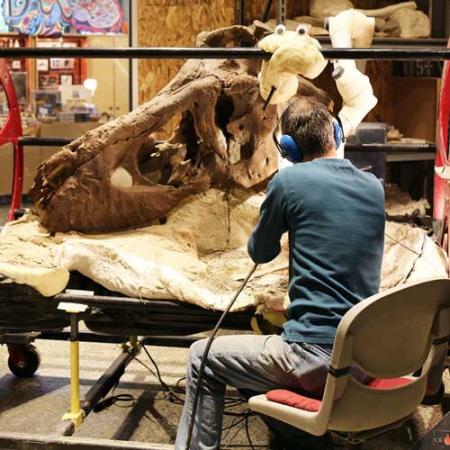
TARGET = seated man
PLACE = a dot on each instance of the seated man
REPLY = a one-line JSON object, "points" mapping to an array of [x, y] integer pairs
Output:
{"points": [[335, 217]]}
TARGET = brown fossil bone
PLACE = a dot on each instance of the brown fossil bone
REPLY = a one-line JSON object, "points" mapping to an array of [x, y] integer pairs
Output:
{"points": [[119, 175], [327, 8]]}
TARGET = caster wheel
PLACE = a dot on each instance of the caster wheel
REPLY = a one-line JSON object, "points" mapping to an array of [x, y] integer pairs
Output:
{"points": [[25, 362]]}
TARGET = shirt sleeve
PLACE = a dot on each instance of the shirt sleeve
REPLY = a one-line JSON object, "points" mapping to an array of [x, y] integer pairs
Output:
{"points": [[264, 243]]}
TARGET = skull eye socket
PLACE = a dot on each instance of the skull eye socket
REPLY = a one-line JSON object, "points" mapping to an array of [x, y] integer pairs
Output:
{"points": [[302, 29], [280, 29]]}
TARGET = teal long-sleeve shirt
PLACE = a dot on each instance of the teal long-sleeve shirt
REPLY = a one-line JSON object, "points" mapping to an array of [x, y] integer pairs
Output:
{"points": [[335, 217]]}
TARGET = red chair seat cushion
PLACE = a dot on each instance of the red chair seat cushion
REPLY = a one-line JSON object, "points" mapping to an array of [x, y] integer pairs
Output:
{"points": [[293, 399], [304, 403], [388, 383]]}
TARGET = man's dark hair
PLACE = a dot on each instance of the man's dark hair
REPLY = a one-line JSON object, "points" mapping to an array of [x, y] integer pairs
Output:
{"points": [[310, 124]]}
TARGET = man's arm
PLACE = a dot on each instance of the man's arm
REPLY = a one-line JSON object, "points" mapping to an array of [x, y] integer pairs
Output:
{"points": [[264, 243]]}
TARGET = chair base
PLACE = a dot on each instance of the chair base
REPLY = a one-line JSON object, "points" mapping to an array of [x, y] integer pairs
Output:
{"points": [[359, 437], [278, 442]]}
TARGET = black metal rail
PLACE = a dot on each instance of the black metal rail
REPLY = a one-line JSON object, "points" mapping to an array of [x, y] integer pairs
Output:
{"points": [[437, 54], [107, 381], [159, 306], [86, 336], [349, 148], [45, 141]]}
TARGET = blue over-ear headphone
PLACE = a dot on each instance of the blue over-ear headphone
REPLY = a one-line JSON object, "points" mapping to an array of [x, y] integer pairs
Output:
{"points": [[290, 150]]}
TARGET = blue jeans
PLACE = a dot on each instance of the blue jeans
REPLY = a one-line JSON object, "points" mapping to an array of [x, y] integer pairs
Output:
{"points": [[249, 363]]}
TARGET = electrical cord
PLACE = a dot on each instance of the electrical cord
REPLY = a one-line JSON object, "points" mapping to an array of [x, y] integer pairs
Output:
{"points": [[177, 385], [247, 432], [419, 254], [230, 402], [206, 351], [158, 374], [243, 425], [120, 400], [402, 245], [173, 396]]}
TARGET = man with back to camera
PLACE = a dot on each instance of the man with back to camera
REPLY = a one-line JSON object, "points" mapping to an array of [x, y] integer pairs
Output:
{"points": [[335, 217]]}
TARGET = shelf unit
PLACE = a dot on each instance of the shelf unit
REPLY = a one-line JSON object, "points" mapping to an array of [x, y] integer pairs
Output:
{"points": [[398, 152], [396, 42]]}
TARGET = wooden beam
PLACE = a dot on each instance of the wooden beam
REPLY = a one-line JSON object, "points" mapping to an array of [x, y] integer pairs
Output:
{"points": [[27, 441]]}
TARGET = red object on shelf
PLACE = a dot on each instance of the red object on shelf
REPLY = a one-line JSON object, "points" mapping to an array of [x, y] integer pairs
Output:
{"points": [[10, 133], [442, 142], [441, 198]]}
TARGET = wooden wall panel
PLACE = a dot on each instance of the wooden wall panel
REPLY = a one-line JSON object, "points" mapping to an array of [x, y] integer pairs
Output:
{"points": [[177, 23], [254, 9], [412, 106], [174, 23]]}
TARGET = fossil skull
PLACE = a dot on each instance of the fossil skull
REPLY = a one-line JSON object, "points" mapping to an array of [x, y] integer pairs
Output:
{"points": [[119, 175]]}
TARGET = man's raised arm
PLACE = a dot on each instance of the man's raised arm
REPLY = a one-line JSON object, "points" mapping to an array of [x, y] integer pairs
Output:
{"points": [[264, 243]]}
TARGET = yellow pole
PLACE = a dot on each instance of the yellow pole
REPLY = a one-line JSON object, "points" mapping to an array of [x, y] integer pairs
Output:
{"points": [[133, 342], [76, 414], [75, 378]]}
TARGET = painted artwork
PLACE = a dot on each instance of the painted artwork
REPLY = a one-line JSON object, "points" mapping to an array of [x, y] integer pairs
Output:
{"points": [[97, 16], [38, 17], [54, 17], [48, 82], [66, 80], [42, 65], [62, 63], [4, 28]]}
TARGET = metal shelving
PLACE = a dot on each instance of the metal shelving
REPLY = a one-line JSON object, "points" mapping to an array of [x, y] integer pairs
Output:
{"points": [[398, 152], [396, 42]]}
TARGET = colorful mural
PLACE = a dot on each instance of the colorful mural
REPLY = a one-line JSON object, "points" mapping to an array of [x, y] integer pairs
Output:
{"points": [[37, 17], [97, 16], [54, 17]]}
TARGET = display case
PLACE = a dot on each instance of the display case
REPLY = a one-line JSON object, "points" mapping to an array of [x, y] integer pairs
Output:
{"points": [[54, 72]]}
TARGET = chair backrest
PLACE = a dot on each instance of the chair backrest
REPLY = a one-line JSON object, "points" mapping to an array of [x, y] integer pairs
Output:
{"points": [[388, 335]]}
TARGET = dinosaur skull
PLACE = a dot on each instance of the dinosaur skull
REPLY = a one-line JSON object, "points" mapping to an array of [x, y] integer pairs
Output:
{"points": [[119, 175]]}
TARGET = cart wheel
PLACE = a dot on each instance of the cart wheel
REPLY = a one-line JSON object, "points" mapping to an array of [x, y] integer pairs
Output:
{"points": [[24, 363]]}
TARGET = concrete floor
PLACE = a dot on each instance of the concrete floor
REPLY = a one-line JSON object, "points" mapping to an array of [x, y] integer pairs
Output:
{"points": [[36, 405]]}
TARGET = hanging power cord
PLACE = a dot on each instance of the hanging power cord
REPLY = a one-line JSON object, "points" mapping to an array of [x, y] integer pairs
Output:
{"points": [[244, 422], [205, 355], [119, 400], [247, 432], [173, 397], [402, 245], [406, 247], [230, 402]]}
